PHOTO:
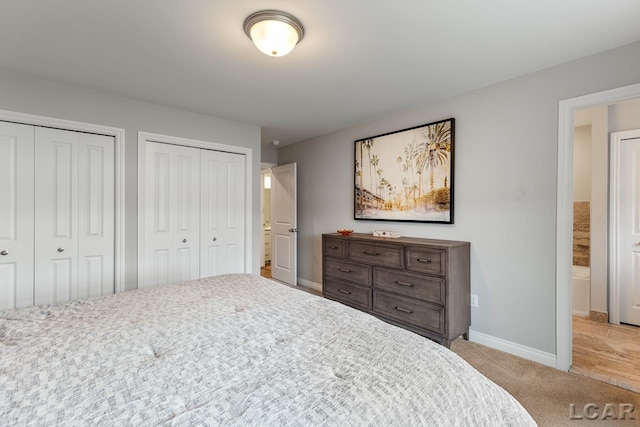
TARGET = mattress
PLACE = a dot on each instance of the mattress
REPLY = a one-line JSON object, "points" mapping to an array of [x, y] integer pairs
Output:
{"points": [[233, 350]]}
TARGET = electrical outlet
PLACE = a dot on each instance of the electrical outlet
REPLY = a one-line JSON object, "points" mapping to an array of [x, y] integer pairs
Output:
{"points": [[474, 300]]}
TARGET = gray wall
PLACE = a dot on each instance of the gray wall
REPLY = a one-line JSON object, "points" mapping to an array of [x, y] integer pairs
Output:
{"points": [[505, 188], [24, 94]]}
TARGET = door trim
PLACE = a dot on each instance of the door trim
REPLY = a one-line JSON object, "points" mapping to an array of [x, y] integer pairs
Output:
{"points": [[119, 140], [143, 138], [614, 199], [564, 209]]}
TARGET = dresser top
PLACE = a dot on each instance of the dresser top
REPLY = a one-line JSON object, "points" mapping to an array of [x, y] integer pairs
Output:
{"points": [[400, 240]]}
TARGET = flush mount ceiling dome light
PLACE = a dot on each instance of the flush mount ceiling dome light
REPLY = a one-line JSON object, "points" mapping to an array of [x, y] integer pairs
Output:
{"points": [[275, 33]]}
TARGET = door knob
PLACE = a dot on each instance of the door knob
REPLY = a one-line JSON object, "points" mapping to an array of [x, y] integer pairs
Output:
{"points": [[60, 249], [293, 230], [3, 253], [184, 240], [214, 239]]}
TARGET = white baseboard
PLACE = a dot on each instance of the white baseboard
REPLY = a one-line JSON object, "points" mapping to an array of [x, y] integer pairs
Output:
{"points": [[309, 284], [525, 352]]}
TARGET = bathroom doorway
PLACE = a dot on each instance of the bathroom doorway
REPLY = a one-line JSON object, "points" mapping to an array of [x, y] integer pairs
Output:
{"points": [[265, 221], [601, 350]]}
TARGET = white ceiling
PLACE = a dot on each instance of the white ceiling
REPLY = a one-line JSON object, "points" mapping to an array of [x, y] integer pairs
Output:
{"points": [[360, 59]]}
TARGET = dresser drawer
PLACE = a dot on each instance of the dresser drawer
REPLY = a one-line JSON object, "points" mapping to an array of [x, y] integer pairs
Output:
{"points": [[428, 288], [386, 255], [334, 247], [426, 260], [354, 295], [422, 315], [351, 272]]}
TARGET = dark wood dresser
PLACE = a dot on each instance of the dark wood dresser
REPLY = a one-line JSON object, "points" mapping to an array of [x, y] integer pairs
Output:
{"points": [[418, 284]]}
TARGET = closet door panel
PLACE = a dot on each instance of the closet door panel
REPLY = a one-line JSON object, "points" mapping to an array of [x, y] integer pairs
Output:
{"points": [[62, 285], [222, 214], [56, 216], [95, 278], [185, 260], [96, 215], [235, 212], [212, 259], [16, 215], [172, 209], [158, 215], [213, 262], [160, 268], [187, 205]]}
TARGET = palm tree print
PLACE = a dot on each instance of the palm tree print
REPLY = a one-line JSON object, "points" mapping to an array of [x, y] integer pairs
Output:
{"points": [[409, 173]]}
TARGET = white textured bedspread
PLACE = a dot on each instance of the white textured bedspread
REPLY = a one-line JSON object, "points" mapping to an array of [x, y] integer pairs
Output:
{"points": [[232, 350]]}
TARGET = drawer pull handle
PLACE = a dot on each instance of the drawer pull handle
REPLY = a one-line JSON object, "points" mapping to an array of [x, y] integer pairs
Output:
{"points": [[428, 261], [410, 285], [371, 253], [404, 310], [344, 271], [333, 247], [342, 291]]}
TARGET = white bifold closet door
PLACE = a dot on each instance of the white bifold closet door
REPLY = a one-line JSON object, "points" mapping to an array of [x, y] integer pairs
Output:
{"points": [[194, 213], [16, 215], [57, 215], [74, 215]]}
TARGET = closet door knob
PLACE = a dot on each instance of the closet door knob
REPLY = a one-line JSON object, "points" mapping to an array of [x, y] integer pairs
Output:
{"points": [[60, 249], [214, 239], [184, 240], [3, 253]]}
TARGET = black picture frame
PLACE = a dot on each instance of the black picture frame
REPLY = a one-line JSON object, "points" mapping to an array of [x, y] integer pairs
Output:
{"points": [[406, 175]]}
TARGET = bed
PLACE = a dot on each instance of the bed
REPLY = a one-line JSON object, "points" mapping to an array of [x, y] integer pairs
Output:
{"points": [[232, 350]]}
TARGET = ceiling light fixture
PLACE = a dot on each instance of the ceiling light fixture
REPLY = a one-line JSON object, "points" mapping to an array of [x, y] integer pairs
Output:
{"points": [[275, 33]]}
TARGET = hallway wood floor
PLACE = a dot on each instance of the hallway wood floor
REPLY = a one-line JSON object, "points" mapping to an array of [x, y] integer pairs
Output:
{"points": [[609, 353], [266, 271]]}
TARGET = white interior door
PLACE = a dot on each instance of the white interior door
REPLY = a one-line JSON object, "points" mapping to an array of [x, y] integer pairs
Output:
{"points": [[629, 230], [74, 215], [172, 214], [284, 223], [16, 215], [223, 219]]}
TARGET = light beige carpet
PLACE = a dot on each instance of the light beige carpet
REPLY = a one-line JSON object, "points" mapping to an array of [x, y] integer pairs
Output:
{"points": [[547, 393]]}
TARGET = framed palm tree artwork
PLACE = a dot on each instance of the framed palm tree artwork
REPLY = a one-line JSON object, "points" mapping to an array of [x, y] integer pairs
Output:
{"points": [[406, 175]]}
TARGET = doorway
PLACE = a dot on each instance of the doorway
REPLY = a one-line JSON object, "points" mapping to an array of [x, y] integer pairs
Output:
{"points": [[564, 206], [601, 347], [265, 222]]}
